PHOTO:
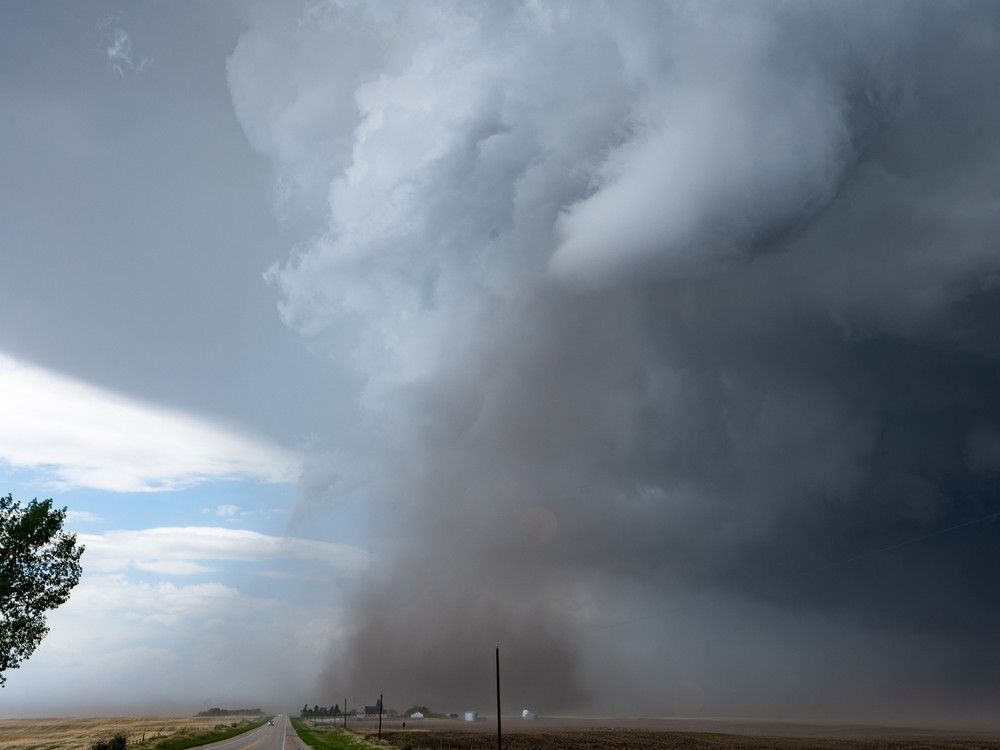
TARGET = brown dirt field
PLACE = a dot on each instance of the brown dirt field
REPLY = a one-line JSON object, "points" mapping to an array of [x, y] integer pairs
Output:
{"points": [[78, 733], [596, 739], [650, 734]]}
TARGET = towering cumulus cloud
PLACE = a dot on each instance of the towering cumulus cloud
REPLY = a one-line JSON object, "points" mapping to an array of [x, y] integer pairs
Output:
{"points": [[678, 325]]}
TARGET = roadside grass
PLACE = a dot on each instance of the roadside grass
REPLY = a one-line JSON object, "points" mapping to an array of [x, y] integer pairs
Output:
{"points": [[184, 739], [329, 739]]}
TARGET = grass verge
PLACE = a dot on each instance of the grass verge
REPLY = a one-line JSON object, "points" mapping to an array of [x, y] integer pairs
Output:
{"points": [[329, 739], [183, 741]]}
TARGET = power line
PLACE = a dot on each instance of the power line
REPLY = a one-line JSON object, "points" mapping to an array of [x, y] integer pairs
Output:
{"points": [[908, 542]]}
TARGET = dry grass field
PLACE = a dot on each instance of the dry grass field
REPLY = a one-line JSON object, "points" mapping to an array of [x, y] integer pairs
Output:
{"points": [[77, 734]]}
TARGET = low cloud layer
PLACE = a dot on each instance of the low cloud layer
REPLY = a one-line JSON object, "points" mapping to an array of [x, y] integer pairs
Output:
{"points": [[669, 315], [186, 550]]}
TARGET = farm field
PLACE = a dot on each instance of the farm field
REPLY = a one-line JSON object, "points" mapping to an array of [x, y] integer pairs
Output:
{"points": [[79, 733], [647, 734], [608, 739]]}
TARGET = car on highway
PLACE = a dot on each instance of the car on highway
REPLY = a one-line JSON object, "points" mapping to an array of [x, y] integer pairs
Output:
{"points": [[270, 722]]}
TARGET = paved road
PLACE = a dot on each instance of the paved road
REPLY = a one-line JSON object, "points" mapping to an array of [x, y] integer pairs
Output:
{"points": [[279, 737]]}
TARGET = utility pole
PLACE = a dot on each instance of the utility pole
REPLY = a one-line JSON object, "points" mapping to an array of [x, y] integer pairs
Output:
{"points": [[345, 713], [380, 717], [499, 733]]}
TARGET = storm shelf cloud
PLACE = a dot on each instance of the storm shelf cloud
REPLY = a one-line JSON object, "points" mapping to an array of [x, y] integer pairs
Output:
{"points": [[82, 435], [657, 301]]}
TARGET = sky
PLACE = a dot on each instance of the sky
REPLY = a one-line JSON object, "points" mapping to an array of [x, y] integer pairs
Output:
{"points": [[654, 341]]}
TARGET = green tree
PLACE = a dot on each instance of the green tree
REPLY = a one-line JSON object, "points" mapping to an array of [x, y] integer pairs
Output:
{"points": [[39, 566]]}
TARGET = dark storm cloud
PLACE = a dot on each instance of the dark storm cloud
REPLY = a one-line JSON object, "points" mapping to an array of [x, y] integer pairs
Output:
{"points": [[670, 315]]}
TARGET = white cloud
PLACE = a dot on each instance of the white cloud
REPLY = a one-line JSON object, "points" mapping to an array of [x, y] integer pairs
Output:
{"points": [[308, 127], [118, 48], [495, 150], [227, 510], [85, 436], [82, 516], [184, 550], [725, 160], [455, 177]]}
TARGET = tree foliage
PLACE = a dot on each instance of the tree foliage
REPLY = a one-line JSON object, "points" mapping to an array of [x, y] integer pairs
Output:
{"points": [[115, 742], [39, 566], [321, 710]]}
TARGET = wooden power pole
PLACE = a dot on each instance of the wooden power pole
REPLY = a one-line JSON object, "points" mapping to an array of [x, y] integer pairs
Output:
{"points": [[499, 733], [380, 717]]}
